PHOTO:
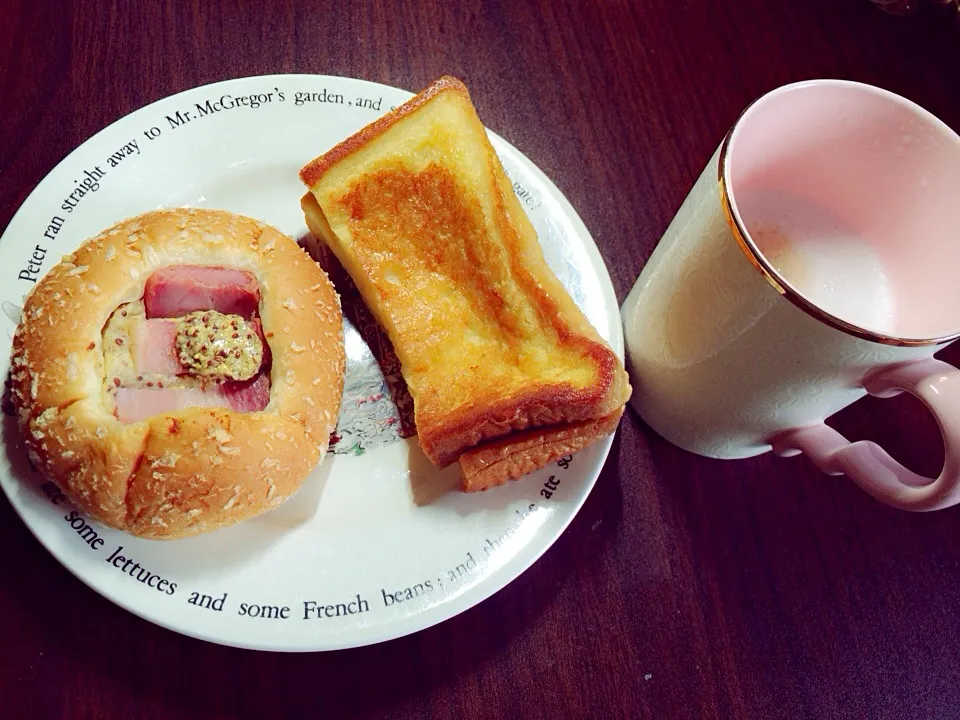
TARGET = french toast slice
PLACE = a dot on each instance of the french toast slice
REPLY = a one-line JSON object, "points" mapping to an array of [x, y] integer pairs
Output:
{"points": [[505, 371]]}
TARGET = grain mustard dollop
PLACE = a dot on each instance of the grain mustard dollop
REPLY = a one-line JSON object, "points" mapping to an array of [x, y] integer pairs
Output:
{"points": [[220, 347]]}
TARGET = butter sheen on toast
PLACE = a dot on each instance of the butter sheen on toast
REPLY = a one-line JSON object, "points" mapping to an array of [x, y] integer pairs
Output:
{"points": [[505, 371]]}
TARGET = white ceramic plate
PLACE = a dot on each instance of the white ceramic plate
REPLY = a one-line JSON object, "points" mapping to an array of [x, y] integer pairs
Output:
{"points": [[376, 544]]}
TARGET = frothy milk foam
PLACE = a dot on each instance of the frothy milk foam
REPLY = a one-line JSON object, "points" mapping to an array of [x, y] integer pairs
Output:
{"points": [[825, 260]]}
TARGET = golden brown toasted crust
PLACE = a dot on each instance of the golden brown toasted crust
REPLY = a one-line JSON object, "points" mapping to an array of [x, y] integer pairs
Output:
{"points": [[311, 173], [193, 470], [419, 211], [508, 458]]}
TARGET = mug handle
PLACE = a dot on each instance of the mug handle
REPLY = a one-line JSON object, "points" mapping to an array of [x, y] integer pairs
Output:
{"points": [[937, 385]]}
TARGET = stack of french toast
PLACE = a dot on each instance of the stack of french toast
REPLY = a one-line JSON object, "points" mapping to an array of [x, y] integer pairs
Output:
{"points": [[505, 371]]}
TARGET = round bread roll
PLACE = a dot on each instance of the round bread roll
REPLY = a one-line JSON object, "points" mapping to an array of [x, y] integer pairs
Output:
{"points": [[188, 471]]}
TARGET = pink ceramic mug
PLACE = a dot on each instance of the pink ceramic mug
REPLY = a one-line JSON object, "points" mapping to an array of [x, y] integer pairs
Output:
{"points": [[813, 262]]}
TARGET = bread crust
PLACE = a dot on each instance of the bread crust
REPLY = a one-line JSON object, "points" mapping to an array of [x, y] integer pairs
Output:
{"points": [[508, 458], [311, 173], [194, 470]]}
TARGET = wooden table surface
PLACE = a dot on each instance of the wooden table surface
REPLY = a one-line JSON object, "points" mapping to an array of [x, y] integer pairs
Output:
{"points": [[685, 587]]}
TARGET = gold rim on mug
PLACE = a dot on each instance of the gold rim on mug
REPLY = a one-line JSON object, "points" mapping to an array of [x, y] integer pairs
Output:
{"points": [[772, 276]]}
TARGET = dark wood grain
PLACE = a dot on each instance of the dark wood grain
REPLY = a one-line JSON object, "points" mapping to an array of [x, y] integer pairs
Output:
{"points": [[686, 587]]}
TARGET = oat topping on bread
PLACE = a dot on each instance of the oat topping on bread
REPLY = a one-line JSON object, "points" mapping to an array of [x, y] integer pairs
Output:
{"points": [[136, 436]]}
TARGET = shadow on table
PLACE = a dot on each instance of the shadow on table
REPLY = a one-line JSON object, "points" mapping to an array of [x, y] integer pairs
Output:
{"points": [[104, 646]]}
